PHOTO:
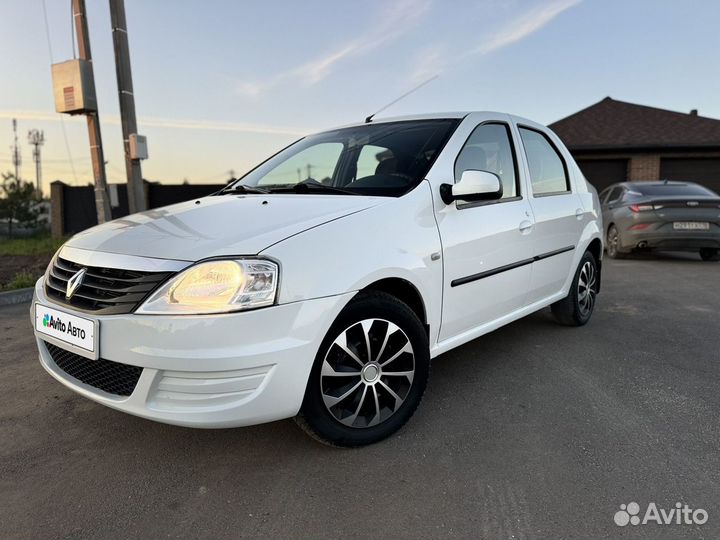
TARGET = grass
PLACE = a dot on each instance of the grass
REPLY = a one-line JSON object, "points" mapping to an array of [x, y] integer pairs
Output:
{"points": [[21, 280], [34, 245], [35, 253]]}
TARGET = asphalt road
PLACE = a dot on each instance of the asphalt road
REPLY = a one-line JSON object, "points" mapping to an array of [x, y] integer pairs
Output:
{"points": [[534, 431]]}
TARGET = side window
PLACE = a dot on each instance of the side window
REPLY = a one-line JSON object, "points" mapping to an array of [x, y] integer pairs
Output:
{"points": [[548, 173], [489, 149], [615, 194], [374, 160], [603, 195]]}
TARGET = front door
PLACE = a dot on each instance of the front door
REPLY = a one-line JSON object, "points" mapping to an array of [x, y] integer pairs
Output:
{"points": [[486, 245]]}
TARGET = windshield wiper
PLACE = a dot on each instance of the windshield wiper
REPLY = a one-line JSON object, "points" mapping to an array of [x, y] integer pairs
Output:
{"points": [[310, 187], [240, 188]]}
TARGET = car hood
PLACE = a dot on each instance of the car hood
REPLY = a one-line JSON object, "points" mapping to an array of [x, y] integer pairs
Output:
{"points": [[216, 226]]}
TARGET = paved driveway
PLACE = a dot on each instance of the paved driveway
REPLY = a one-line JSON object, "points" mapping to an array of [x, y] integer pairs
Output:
{"points": [[534, 431]]}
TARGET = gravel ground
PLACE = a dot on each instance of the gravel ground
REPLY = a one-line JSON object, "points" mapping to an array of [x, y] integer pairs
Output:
{"points": [[533, 431]]}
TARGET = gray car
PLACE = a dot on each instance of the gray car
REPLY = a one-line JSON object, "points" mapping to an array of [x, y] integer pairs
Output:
{"points": [[669, 216]]}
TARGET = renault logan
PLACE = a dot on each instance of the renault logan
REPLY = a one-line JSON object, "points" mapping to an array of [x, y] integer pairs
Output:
{"points": [[320, 285]]}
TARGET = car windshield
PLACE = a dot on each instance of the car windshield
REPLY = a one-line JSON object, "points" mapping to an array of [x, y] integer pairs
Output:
{"points": [[670, 190], [385, 159]]}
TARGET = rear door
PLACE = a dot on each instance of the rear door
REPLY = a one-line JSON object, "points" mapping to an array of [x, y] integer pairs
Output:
{"points": [[610, 203], [558, 211]]}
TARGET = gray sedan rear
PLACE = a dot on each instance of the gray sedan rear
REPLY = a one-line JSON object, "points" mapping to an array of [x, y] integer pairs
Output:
{"points": [[671, 216]]}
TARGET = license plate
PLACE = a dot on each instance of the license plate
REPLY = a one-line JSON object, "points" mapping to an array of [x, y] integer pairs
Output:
{"points": [[67, 328], [691, 225]]}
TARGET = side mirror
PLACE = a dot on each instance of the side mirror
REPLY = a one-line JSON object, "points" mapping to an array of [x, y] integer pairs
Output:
{"points": [[473, 186]]}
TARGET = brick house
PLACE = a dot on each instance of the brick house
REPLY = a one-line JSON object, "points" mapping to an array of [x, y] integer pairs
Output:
{"points": [[614, 141]]}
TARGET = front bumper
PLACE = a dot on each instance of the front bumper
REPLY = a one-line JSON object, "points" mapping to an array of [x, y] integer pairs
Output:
{"points": [[209, 371]]}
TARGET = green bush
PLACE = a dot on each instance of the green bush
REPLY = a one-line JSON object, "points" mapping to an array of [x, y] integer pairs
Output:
{"points": [[20, 281]]}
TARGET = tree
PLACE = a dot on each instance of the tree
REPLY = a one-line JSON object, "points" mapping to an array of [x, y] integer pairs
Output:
{"points": [[18, 203]]}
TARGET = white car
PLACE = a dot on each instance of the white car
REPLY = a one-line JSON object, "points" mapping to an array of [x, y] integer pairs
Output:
{"points": [[321, 284]]}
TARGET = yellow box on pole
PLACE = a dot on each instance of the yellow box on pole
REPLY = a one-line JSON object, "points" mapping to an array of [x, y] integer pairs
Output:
{"points": [[73, 87]]}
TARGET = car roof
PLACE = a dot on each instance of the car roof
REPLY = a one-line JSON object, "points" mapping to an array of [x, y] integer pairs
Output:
{"points": [[632, 183], [453, 115]]}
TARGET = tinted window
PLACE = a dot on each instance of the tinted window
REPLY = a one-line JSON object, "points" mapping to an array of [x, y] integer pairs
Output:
{"points": [[386, 159], [669, 190], [547, 168], [489, 149]]}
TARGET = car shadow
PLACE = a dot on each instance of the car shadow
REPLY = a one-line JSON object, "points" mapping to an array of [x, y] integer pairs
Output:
{"points": [[668, 256]]}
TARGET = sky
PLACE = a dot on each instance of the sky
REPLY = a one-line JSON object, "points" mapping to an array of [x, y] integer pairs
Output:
{"points": [[221, 85]]}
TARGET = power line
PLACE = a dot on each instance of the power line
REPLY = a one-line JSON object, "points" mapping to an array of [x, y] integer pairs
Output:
{"points": [[62, 120], [72, 31]]}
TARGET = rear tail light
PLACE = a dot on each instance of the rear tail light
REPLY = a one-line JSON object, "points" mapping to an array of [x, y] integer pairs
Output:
{"points": [[641, 207]]}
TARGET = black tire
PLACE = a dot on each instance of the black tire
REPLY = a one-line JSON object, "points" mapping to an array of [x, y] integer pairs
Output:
{"points": [[380, 308], [710, 254], [574, 310], [612, 245]]}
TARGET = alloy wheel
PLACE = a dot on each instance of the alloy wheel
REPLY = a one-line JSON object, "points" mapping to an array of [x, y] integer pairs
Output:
{"points": [[587, 288], [367, 373]]}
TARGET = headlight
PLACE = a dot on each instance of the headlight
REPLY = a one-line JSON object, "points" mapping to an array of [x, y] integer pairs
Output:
{"points": [[216, 287]]}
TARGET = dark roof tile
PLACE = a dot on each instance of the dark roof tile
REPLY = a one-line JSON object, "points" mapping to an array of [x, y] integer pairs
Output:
{"points": [[611, 124]]}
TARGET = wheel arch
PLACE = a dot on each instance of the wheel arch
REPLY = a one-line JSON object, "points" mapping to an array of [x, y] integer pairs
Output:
{"points": [[403, 290]]}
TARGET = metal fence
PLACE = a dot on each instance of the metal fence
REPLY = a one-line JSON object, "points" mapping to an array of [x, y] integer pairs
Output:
{"points": [[73, 207]]}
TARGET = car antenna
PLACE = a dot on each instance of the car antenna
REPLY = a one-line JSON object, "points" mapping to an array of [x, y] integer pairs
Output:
{"points": [[406, 94]]}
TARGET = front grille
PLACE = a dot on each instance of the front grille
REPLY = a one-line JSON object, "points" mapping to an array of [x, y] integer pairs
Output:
{"points": [[105, 291], [110, 377]]}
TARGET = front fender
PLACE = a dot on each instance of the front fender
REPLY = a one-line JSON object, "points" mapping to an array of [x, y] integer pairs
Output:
{"points": [[393, 240]]}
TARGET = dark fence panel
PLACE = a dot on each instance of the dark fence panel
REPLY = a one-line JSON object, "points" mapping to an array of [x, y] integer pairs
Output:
{"points": [[164, 194], [78, 209], [74, 206]]}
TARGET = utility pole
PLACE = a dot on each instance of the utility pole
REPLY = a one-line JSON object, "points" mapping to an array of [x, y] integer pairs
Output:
{"points": [[93, 119], [37, 139], [16, 157], [136, 189]]}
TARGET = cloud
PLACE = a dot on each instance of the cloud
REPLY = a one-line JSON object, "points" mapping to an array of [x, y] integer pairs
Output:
{"points": [[436, 59], [170, 123], [393, 22], [429, 62], [525, 25]]}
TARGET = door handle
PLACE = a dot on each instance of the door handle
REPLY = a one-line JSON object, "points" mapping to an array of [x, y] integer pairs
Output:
{"points": [[579, 213], [525, 226]]}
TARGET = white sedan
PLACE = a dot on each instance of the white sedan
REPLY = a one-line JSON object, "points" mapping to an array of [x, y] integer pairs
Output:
{"points": [[320, 285]]}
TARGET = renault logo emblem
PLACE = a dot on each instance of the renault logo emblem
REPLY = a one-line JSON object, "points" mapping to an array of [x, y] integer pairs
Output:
{"points": [[74, 282]]}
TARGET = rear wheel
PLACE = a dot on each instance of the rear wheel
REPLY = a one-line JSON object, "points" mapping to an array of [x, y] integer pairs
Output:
{"points": [[710, 254], [613, 243], [577, 307], [369, 374]]}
